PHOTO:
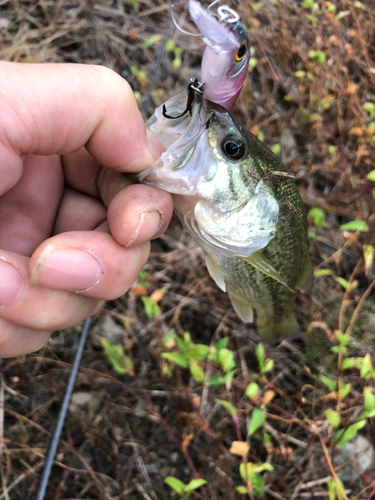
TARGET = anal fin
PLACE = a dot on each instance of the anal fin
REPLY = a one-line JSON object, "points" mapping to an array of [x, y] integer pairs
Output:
{"points": [[242, 307]]}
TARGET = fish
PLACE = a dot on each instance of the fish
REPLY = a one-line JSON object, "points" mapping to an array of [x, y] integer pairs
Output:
{"points": [[226, 56], [235, 198]]}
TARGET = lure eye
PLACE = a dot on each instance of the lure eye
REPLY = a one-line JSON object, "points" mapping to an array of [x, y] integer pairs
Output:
{"points": [[241, 52], [233, 147]]}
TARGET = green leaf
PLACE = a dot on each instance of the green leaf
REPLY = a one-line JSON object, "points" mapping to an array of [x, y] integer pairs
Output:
{"points": [[323, 272], [226, 359], [371, 176], [228, 406], [260, 354], [343, 282], [176, 358], [221, 344], [276, 148], [318, 217], [355, 225], [242, 490], [218, 378], [365, 366], [257, 418], [333, 417], [347, 363], [120, 362], [176, 485], [252, 390], [257, 483], [196, 370], [151, 40], [345, 435], [268, 365], [344, 390], [368, 399], [317, 56], [370, 108], [342, 338], [264, 467], [331, 384], [200, 351], [194, 484]]}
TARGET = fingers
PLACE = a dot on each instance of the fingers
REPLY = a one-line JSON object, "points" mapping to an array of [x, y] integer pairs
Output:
{"points": [[92, 264], [139, 213], [28, 210], [61, 109], [17, 340], [36, 307], [78, 212]]}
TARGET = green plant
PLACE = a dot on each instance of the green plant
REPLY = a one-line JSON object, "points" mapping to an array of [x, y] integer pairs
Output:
{"points": [[184, 490], [120, 362]]}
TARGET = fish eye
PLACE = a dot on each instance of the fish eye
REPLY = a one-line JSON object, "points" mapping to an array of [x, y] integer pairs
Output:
{"points": [[233, 147], [241, 52]]}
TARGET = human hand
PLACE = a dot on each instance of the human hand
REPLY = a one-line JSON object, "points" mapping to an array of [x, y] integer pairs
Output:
{"points": [[73, 230]]}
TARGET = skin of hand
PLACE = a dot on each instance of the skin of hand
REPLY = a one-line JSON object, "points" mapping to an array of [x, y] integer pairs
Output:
{"points": [[74, 231]]}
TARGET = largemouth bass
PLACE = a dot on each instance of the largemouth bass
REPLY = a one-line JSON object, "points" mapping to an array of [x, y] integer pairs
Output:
{"points": [[234, 197]]}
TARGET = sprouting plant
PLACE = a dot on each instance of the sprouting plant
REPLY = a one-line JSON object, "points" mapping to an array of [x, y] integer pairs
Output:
{"points": [[120, 362], [186, 354], [184, 490], [172, 47]]}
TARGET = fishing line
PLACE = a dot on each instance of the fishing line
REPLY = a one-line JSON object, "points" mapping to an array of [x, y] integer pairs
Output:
{"points": [[64, 408], [157, 64]]}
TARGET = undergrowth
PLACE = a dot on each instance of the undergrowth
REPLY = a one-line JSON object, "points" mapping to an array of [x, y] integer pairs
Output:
{"points": [[176, 398]]}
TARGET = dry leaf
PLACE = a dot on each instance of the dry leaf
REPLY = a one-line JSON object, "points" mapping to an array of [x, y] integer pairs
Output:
{"points": [[356, 131], [186, 442], [268, 397], [137, 290], [156, 296], [240, 448]]}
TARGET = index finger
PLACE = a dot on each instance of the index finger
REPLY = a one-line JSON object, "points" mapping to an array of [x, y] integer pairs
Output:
{"points": [[58, 108]]}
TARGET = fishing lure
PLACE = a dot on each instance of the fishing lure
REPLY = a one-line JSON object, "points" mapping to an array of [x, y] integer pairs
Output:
{"points": [[226, 56]]}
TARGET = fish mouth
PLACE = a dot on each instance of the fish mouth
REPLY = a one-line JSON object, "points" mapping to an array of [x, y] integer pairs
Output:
{"points": [[168, 172], [216, 34]]}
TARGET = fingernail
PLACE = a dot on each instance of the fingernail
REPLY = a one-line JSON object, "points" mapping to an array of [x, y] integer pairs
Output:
{"points": [[148, 227], [11, 284], [66, 269]]}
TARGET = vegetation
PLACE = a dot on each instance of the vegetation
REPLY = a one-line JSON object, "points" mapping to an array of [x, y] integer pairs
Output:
{"points": [[175, 397]]}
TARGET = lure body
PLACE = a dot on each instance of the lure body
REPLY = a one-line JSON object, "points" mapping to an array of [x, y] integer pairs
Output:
{"points": [[226, 56]]}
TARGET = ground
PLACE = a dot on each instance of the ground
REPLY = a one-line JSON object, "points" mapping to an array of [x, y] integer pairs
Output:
{"points": [[310, 96]]}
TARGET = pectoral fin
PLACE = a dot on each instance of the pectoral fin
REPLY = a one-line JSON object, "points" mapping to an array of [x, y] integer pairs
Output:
{"points": [[260, 262], [242, 307], [215, 273]]}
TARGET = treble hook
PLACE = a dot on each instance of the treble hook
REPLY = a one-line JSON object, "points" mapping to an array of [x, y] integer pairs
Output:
{"points": [[194, 87]]}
